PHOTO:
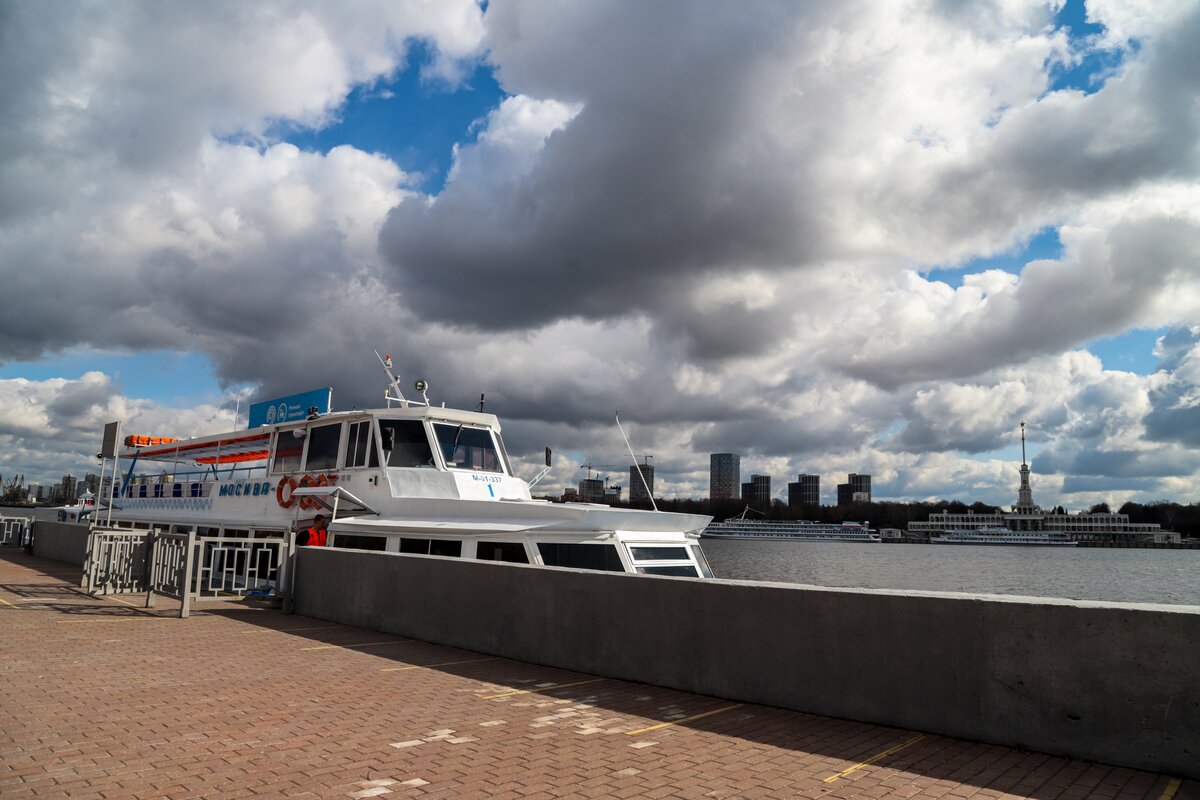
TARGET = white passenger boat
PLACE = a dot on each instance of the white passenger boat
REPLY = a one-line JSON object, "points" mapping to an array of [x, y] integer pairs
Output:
{"points": [[408, 478], [1004, 536], [793, 530]]}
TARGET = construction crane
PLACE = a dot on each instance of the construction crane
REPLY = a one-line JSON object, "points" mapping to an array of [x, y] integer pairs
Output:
{"points": [[645, 457]]}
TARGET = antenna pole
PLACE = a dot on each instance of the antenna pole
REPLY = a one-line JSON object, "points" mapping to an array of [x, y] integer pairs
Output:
{"points": [[1022, 442], [641, 474]]}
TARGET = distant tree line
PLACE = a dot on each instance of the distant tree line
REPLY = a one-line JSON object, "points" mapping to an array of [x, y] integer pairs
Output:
{"points": [[1184, 519]]}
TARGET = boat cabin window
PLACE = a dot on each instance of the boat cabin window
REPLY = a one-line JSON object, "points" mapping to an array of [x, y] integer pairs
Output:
{"points": [[659, 553], [649, 561], [512, 552], [432, 547], [404, 443], [468, 448], [323, 442], [360, 542], [582, 556], [360, 446], [287, 452], [680, 571]]}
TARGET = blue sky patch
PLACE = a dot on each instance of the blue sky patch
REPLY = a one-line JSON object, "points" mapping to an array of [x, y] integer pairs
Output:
{"points": [[1132, 351], [1044, 244], [412, 121], [163, 376], [1095, 66]]}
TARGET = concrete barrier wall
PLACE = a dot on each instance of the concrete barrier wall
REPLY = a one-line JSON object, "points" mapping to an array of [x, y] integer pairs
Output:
{"points": [[1117, 683], [62, 541]]}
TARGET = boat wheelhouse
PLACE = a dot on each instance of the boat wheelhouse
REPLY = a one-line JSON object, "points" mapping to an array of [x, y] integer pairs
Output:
{"points": [[410, 479]]}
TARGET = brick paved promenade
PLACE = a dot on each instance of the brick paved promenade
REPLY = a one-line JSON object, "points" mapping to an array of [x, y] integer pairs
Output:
{"points": [[102, 698]]}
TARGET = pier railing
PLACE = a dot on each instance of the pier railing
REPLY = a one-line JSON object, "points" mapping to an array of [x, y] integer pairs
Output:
{"points": [[186, 567], [13, 530]]}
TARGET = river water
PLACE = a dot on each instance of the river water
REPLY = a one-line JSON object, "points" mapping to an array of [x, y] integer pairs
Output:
{"points": [[1081, 573]]}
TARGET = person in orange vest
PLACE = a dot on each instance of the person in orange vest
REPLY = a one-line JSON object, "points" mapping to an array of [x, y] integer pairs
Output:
{"points": [[314, 536]]}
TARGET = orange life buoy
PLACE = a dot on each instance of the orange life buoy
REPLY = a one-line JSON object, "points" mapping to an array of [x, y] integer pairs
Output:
{"points": [[306, 503], [286, 480]]}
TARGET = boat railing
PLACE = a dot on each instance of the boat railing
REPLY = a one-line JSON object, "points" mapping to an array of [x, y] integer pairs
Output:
{"points": [[198, 476]]}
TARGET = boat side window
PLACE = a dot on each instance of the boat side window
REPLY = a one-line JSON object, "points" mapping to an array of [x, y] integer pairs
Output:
{"points": [[468, 448], [432, 547], [323, 442], [680, 571], [405, 443], [581, 556], [659, 553], [512, 552], [360, 542], [360, 446], [287, 452]]}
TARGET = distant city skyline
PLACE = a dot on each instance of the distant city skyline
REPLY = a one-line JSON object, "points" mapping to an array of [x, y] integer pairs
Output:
{"points": [[747, 247]]}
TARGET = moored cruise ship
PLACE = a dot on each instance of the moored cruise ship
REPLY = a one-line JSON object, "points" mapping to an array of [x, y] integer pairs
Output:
{"points": [[409, 478], [1003, 536], [792, 530]]}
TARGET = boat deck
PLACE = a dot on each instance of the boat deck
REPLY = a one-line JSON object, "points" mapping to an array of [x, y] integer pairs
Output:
{"points": [[100, 698]]}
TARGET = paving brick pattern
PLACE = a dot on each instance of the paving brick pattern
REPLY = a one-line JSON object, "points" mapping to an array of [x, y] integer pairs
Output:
{"points": [[101, 698]]}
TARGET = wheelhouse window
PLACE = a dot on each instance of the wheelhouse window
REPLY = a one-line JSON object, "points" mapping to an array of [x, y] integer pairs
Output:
{"points": [[512, 552], [581, 556], [360, 446], [323, 442], [404, 443], [470, 448], [288, 450]]}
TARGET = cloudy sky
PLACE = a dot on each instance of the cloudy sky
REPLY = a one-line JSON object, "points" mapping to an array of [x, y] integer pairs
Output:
{"points": [[829, 236]]}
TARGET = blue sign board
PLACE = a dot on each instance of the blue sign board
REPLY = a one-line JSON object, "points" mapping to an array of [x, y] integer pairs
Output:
{"points": [[291, 408]]}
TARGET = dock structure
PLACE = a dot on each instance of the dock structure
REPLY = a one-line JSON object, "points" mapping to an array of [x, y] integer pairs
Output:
{"points": [[100, 697]]}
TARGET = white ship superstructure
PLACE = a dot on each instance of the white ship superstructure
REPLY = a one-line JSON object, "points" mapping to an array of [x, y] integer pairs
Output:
{"points": [[793, 530], [411, 479], [1003, 536]]}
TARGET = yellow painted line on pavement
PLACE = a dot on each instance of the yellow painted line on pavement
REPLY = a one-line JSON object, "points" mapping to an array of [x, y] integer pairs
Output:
{"points": [[875, 758], [1172, 788], [10, 605], [685, 719], [119, 600], [294, 630], [443, 664], [540, 689], [352, 646]]}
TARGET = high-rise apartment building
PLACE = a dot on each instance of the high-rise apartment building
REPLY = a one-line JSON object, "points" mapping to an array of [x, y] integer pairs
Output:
{"points": [[856, 489], [591, 490], [637, 489], [68, 489], [724, 476], [806, 491], [757, 490]]}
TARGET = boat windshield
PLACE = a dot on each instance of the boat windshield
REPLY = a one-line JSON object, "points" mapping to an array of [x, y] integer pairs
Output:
{"points": [[464, 447], [404, 443]]}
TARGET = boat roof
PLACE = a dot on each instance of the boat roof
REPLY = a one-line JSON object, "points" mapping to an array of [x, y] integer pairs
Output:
{"points": [[254, 445]]}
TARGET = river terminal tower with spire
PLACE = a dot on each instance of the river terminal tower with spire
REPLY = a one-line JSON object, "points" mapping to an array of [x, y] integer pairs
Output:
{"points": [[1026, 515]]}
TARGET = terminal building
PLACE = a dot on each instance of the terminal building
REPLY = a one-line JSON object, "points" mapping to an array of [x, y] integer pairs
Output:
{"points": [[1026, 515]]}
